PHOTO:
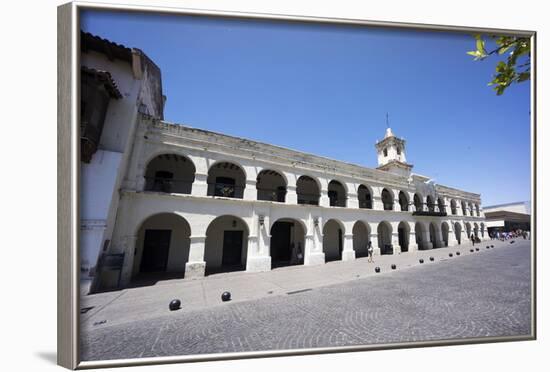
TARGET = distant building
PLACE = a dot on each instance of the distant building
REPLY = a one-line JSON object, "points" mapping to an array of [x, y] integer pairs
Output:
{"points": [[508, 217], [167, 198]]}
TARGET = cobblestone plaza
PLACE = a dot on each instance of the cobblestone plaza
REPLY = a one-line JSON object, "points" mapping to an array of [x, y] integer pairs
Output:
{"points": [[479, 294]]}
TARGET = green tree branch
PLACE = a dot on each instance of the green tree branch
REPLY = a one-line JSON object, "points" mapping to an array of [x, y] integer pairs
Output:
{"points": [[509, 72]]}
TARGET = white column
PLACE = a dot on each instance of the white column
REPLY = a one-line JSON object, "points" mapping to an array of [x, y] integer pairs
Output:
{"points": [[452, 236], [256, 260], [312, 255], [324, 200], [413, 246], [250, 192], [196, 266], [200, 187], [377, 203], [374, 239], [348, 253], [395, 242], [291, 196]]}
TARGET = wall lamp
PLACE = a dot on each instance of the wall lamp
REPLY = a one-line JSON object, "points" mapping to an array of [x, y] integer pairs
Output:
{"points": [[261, 218]]}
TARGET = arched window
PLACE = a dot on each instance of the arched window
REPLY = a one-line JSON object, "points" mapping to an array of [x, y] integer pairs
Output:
{"points": [[418, 204], [170, 173], [226, 179], [387, 200], [308, 191], [430, 203], [336, 194], [365, 197], [271, 186]]}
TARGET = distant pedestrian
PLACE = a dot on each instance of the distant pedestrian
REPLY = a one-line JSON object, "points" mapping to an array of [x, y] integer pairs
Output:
{"points": [[370, 250], [473, 238]]}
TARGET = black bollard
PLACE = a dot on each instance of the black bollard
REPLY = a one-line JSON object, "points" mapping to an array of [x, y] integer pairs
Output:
{"points": [[471, 250], [492, 246], [458, 253], [174, 305], [226, 296], [431, 258], [477, 249], [487, 247], [393, 267], [421, 260], [450, 255], [377, 269]]}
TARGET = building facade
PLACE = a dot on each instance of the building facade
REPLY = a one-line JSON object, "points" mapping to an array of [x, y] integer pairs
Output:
{"points": [[508, 217], [190, 203]]}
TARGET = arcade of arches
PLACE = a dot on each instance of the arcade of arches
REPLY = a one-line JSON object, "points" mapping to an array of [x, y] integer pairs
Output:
{"points": [[163, 243], [175, 173]]}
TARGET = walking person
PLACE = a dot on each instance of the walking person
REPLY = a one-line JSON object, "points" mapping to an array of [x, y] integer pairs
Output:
{"points": [[473, 238], [370, 250]]}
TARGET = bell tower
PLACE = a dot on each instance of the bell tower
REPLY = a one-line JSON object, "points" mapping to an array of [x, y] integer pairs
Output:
{"points": [[391, 155]]}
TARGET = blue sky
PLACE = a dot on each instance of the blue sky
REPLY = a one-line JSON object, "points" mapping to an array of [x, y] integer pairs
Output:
{"points": [[325, 89]]}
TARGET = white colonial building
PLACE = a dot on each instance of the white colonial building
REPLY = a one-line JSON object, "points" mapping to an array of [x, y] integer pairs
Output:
{"points": [[190, 202]]}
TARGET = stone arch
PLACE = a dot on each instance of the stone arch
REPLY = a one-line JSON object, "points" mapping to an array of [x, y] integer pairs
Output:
{"points": [[482, 228], [430, 203], [364, 194], [403, 201], [458, 232], [477, 210], [226, 179], [308, 190], [226, 244], [403, 233], [468, 229], [287, 242], [333, 239], [387, 199], [162, 245], [271, 186], [445, 233], [337, 194], [476, 230], [170, 173], [361, 237], [418, 202], [384, 232]]}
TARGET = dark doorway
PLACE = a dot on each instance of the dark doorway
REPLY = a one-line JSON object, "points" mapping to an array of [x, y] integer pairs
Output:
{"points": [[232, 249], [156, 244], [281, 249]]}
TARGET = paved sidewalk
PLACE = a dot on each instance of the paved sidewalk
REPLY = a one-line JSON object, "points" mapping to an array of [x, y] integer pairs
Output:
{"points": [[485, 294], [140, 304]]}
